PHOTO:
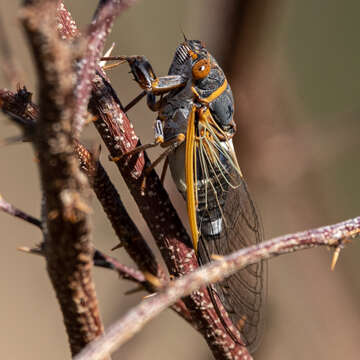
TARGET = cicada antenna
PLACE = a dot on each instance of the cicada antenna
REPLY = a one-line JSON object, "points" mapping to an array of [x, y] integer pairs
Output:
{"points": [[182, 32]]}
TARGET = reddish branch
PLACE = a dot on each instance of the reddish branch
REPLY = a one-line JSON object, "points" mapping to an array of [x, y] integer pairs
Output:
{"points": [[117, 334]]}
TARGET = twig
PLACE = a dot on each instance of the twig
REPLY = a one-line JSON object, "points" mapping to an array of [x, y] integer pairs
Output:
{"points": [[135, 319], [67, 30], [12, 210], [100, 260], [124, 271]]}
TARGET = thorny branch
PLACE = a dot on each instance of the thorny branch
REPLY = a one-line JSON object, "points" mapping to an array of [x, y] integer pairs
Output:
{"points": [[68, 250], [332, 236]]}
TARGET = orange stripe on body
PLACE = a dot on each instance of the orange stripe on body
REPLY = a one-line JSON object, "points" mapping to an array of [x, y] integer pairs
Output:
{"points": [[190, 155]]}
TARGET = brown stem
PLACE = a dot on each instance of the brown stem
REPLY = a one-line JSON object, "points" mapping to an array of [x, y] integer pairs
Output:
{"points": [[67, 242]]}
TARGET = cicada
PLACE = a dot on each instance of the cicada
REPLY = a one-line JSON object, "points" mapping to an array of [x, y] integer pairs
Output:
{"points": [[195, 107]]}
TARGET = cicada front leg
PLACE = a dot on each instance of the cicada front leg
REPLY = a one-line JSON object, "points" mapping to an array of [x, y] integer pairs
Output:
{"points": [[152, 86], [145, 76]]}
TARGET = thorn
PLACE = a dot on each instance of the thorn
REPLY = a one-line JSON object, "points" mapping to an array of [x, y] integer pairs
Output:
{"points": [[134, 290], [143, 186], [153, 280], [216, 257], [115, 158], [118, 246], [34, 251], [82, 206], [335, 257], [149, 296], [107, 54], [241, 323], [91, 119], [53, 214], [12, 140], [112, 66]]}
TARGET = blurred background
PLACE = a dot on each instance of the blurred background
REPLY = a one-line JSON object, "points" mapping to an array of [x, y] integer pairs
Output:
{"points": [[294, 69]]}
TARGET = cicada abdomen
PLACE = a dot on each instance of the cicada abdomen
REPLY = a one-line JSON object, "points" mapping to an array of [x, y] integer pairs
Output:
{"points": [[227, 222]]}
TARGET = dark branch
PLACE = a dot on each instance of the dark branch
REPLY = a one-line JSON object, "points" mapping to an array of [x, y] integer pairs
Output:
{"points": [[12, 210]]}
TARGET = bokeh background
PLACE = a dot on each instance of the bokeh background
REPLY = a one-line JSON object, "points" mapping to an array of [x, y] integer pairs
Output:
{"points": [[294, 69]]}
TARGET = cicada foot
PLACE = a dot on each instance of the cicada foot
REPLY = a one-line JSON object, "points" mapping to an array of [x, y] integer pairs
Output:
{"points": [[133, 151], [171, 146]]}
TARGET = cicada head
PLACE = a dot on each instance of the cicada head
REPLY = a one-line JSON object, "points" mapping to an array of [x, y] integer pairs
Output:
{"points": [[191, 60]]}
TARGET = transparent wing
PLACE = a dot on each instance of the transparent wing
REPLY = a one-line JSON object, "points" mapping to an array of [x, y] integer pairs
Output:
{"points": [[227, 221]]}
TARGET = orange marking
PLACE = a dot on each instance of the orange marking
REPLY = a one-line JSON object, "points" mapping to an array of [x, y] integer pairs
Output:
{"points": [[189, 170], [216, 93]]}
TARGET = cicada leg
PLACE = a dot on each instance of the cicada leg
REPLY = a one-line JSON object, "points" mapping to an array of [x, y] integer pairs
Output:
{"points": [[171, 145], [144, 75], [159, 139], [164, 170]]}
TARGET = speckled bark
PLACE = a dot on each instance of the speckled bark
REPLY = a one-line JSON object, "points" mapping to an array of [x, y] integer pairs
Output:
{"points": [[67, 245]]}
